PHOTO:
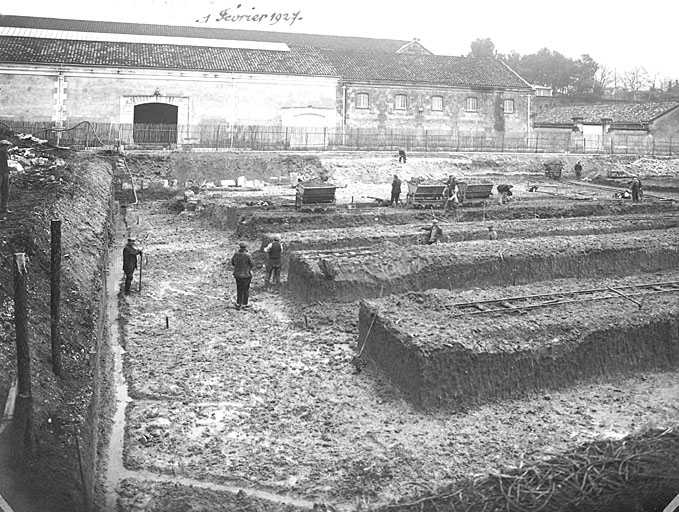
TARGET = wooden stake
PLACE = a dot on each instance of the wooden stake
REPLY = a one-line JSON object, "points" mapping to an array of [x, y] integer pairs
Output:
{"points": [[21, 325], [55, 295], [141, 264]]}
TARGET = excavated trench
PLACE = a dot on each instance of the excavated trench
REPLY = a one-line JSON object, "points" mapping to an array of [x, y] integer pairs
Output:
{"points": [[254, 221], [363, 237], [350, 275], [453, 362]]}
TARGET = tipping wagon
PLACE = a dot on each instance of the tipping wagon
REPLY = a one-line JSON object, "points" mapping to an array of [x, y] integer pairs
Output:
{"points": [[473, 192], [315, 195], [425, 194]]}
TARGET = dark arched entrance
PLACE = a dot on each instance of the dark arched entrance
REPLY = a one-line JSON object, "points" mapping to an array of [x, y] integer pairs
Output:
{"points": [[155, 123]]}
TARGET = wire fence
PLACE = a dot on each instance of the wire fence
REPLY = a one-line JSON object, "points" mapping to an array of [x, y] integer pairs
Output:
{"points": [[85, 135]]}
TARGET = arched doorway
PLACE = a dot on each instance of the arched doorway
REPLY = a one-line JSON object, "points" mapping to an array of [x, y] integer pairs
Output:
{"points": [[155, 123]]}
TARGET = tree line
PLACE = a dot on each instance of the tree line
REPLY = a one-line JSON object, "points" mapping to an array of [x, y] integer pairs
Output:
{"points": [[583, 76]]}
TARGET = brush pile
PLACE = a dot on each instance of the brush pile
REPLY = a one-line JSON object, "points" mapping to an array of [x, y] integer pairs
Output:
{"points": [[636, 473]]}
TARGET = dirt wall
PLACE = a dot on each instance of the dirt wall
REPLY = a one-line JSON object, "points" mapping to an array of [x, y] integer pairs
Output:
{"points": [[389, 270], [77, 193], [252, 222], [448, 363]]}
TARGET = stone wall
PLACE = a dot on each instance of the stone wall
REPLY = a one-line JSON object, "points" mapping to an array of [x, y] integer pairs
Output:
{"points": [[489, 118]]}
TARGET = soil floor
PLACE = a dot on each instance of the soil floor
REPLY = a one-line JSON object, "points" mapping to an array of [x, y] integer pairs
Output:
{"points": [[268, 398], [265, 409]]}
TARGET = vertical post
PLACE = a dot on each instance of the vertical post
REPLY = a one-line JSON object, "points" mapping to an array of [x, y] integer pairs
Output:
{"points": [[55, 295], [21, 325], [141, 265]]}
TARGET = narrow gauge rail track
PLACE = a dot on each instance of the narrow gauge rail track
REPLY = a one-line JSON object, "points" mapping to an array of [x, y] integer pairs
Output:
{"points": [[633, 293]]}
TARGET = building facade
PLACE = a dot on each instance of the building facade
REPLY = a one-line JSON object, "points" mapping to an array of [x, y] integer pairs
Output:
{"points": [[67, 71], [612, 126]]}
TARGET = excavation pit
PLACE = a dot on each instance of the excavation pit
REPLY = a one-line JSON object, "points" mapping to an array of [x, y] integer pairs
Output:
{"points": [[442, 359], [348, 275]]}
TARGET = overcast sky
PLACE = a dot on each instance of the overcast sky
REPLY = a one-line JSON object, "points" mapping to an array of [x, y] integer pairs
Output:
{"points": [[617, 34]]}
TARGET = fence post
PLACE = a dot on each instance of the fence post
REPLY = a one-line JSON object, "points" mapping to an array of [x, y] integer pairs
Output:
{"points": [[55, 295], [325, 137], [21, 324], [537, 137]]}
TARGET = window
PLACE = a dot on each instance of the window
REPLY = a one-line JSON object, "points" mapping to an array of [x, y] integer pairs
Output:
{"points": [[508, 106], [401, 102], [437, 103], [362, 100], [472, 105]]}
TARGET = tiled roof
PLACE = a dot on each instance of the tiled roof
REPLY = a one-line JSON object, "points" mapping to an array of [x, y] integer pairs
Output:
{"points": [[434, 69], [302, 60], [622, 113], [352, 58], [201, 31]]}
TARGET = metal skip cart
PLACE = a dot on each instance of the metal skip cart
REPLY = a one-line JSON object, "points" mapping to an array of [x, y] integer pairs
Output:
{"points": [[316, 195], [421, 194]]}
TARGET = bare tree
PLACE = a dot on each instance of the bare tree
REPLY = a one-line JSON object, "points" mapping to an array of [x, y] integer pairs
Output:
{"points": [[604, 76], [636, 79]]}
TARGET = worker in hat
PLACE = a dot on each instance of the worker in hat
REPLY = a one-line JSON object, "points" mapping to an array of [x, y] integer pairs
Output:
{"points": [[492, 234], [242, 271], [4, 177], [435, 232], [130, 253], [274, 264]]}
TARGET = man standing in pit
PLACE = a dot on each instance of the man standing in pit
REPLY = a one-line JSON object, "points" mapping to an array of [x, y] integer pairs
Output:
{"points": [[395, 191], [273, 267], [242, 271], [492, 234], [4, 177], [435, 232], [401, 156], [130, 253]]}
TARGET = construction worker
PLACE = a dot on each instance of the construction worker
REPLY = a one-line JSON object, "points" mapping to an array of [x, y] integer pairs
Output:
{"points": [[273, 266], [636, 190], [242, 271], [401, 156], [130, 253], [395, 191], [492, 234], [578, 170], [505, 191], [435, 232], [452, 193], [4, 177]]}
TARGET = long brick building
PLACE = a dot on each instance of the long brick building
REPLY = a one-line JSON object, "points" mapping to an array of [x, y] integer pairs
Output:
{"points": [[65, 71]]}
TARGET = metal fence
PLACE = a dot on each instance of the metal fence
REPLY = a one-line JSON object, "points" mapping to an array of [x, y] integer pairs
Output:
{"points": [[85, 134]]}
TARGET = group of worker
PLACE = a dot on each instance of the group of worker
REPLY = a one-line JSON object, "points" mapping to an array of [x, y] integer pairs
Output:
{"points": [[241, 262]]}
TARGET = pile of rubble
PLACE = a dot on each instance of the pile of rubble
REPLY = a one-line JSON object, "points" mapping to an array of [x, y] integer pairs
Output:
{"points": [[34, 163]]}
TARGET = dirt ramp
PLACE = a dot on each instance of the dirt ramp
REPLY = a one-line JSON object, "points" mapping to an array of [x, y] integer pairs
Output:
{"points": [[441, 361], [382, 270]]}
